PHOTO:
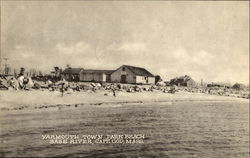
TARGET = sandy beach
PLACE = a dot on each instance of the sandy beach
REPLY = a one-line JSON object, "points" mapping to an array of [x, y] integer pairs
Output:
{"points": [[36, 99]]}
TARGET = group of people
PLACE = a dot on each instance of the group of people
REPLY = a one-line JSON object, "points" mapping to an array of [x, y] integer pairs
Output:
{"points": [[21, 82]]}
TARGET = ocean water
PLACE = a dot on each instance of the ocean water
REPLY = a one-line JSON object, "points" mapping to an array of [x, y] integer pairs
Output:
{"points": [[181, 129]]}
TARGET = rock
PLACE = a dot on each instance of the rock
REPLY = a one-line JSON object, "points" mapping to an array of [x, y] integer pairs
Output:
{"points": [[70, 90], [36, 86], [51, 89], [98, 85], [2, 86], [93, 84]]}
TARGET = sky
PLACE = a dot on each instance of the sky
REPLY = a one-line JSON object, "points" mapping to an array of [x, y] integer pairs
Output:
{"points": [[206, 40]]}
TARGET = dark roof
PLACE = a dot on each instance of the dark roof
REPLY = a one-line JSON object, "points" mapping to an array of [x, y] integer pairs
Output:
{"points": [[139, 71], [107, 72], [239, 86], [72, 70]]}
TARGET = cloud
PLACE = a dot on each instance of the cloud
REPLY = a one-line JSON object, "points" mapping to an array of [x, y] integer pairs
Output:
{"points": [[201, 64], [209, 42], [128, 47], [74, 49], [22, 56], [83, 54], [126, 53], [191, 61], [79, 54]]}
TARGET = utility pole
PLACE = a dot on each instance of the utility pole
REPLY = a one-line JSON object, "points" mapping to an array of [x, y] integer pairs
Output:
{"points": [[6, 60], [6, 66], [0, 45], [0, 63]]}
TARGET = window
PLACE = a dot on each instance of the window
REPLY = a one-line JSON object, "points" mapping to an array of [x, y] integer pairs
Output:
{"points": [[123, 69]]}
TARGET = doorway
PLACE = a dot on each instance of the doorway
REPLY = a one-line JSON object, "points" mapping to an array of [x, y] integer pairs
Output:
{"points": [[123, 79]]}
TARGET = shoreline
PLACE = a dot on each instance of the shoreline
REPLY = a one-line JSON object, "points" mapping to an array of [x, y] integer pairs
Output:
{"points": [[107, 103], [19, 100]]}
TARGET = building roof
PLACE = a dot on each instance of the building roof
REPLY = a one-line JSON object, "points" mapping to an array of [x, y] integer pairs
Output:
{"points": [[91, 71], [139, 71], [239, 86], [72, 70]]}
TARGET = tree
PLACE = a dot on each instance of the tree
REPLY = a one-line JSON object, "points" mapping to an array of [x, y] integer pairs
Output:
{"points": [[33, 72], [22, 71], [158, 79], [40, 73], [56, 68], [15, 73], [68, 66], [57, 72], [7, 70]]}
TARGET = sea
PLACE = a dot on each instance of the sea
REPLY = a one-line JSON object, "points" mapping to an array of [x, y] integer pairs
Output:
{"points": [[170, 129]]}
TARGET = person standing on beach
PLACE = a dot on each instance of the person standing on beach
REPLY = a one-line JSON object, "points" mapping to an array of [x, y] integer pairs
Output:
{"points": [[62, 87], [113, 90]]}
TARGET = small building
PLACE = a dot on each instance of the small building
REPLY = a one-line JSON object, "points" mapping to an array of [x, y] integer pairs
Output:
{"points": [[132, 74], [96, 75], [185, 81], [239, 86], [72, 74]]}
